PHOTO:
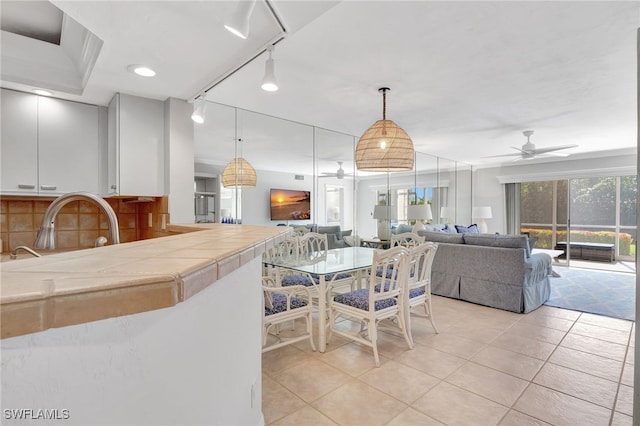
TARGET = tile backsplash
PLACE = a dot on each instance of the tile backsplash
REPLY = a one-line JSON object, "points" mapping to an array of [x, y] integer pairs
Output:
{"points": [[80, 223]]}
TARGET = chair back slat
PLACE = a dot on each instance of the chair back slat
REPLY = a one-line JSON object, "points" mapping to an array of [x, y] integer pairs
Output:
{"points": [[406, 239], [394, 262], [420, 263], [313, 245]]}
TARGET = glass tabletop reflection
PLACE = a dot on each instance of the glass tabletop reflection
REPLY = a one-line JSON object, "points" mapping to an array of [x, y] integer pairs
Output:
{"points": [[336, 260]]}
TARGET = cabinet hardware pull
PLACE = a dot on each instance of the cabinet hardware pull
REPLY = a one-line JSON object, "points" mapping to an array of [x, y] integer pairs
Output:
{"points": [[113, 187], [26, 186], [48, 187]]}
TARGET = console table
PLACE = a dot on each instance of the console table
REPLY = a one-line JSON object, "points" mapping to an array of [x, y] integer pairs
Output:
{"points": [[375, 243], [588, 251]]}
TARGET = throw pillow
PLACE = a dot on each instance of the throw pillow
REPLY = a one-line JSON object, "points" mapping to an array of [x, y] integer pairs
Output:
{"points": [[402, 228], [450, 229], [471, 229]]}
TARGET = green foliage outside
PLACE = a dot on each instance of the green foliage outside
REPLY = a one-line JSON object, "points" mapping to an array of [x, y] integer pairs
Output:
{"points": [[606, 237]]}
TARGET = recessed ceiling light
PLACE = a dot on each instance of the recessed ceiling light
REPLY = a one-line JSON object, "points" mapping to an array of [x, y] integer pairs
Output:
{"points": [[42, 92], [142, 70]]}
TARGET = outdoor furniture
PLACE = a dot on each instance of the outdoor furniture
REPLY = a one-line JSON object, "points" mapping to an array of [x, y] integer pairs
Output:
{"points": [[587, 251]]}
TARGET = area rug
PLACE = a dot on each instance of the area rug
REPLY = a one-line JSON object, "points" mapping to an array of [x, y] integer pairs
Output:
{"points": [[612, 294]]}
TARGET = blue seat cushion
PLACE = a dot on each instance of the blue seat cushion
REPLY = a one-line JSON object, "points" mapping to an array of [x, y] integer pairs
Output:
{"points": [[359, 299], [329, 277], [415, 292], [297, 280], [279, 302]]}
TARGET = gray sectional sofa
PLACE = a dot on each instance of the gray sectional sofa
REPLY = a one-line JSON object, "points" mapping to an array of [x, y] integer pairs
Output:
{"points": [[491, 270]]}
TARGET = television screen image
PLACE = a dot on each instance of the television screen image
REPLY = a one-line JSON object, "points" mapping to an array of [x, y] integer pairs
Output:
{"points": [[288, 204]]}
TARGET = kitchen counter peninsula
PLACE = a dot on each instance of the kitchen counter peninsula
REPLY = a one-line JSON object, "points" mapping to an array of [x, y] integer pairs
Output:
{"points": [[165, 330], [92, 284]]}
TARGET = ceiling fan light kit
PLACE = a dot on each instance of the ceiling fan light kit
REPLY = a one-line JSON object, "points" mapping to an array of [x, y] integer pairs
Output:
{"points": [[384, 147]]}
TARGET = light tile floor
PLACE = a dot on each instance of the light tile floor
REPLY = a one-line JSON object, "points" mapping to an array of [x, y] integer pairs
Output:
{"points": [[486, 367]]}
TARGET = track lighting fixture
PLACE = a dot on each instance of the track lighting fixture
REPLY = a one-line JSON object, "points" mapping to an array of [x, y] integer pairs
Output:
{"points": [[199, 106], [238, 22], [269, 82]]}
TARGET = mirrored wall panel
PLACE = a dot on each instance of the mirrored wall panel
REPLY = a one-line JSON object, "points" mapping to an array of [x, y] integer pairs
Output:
{"points": [[306, 175]]}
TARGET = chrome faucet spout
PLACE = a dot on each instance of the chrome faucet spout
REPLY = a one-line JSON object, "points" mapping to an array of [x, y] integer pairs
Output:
{"points": [[46, 239], [14, 253]]}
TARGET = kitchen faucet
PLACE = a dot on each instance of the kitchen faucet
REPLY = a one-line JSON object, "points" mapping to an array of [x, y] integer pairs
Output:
{"points": [[46, 239]]}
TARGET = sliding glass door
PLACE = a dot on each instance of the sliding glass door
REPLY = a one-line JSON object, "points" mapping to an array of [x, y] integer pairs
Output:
{"points": [[591, 219]]}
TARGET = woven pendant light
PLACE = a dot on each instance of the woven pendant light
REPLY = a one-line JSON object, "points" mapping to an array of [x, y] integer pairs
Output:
{"points": [[384, 147], [239, 173]]}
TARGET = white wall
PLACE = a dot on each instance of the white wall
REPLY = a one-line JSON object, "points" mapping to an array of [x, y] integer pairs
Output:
{"points": [[488, 191], [194, 363]]}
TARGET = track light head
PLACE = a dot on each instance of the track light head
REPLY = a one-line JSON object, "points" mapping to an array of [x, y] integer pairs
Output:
{"points": [[238, 22], [269, 82], [199, 107]]}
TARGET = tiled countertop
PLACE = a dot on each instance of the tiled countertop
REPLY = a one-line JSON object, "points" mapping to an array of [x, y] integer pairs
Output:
{"points": [[88, 285]]}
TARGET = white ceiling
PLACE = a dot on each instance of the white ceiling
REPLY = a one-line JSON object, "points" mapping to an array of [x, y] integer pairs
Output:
{"points": [[466, 78]]}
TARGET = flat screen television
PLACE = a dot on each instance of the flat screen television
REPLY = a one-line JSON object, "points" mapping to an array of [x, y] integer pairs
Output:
{"points": [[290, 204]]}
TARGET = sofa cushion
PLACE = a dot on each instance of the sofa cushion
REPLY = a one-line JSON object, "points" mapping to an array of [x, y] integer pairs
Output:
{"points": [[331, 230], [471, 229], [503, 241], [442, 237]]}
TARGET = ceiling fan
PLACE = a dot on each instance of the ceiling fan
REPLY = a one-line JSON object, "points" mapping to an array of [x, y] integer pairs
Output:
{"points": [[338, 174], [529, 150]]}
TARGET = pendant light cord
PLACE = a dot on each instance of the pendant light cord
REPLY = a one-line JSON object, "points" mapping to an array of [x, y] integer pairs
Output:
{"points": [[384, 104], [384, 109]]}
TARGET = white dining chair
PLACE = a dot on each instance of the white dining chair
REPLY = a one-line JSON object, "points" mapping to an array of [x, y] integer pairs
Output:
{"points": [[383, 299], [284, 304]]}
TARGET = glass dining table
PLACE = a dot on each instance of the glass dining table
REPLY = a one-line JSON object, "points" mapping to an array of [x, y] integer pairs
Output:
{"points": [[328, 267]]}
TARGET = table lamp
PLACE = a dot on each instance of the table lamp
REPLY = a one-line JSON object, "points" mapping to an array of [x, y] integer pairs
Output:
{"points": [[482, 213], [447, 213], [383, 214], [419, 212]]}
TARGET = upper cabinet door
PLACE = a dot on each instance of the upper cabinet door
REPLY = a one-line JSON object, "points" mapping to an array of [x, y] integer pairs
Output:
{"points": [[19, 135], [69, 145], [140, 130]]}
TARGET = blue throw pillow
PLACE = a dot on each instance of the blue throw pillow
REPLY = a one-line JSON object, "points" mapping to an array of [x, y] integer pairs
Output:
{"points": [[471, 229], [449, 229]]}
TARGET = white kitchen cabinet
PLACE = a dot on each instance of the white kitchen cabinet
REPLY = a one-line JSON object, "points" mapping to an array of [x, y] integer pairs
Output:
{"points": [[136, 154], [49, 146], [68, 146], [19, 150]]}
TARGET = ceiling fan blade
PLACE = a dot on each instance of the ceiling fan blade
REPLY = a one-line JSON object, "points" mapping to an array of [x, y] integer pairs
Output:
{"points": [[554, 154], [504, 155], [553, 148]]}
